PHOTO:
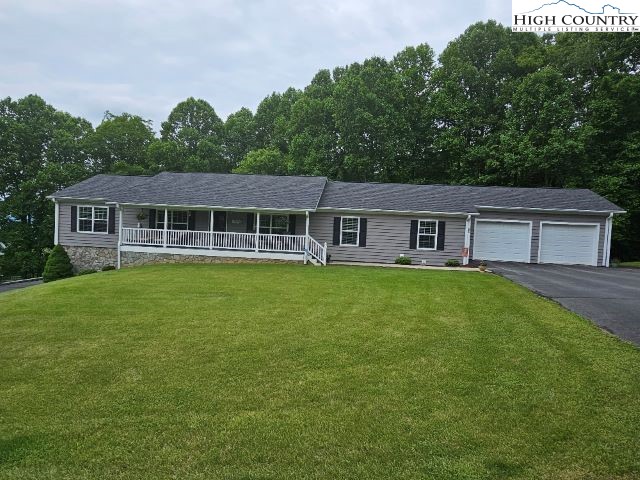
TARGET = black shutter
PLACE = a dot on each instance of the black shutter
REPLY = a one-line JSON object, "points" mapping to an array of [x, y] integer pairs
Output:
{"points": [[112, 220], [250, 220], [292, 224], [362, 241], [152, 218], [413, 235], [440, 239], [191, 222], [336, 230], [74, 218], [219, 221]]}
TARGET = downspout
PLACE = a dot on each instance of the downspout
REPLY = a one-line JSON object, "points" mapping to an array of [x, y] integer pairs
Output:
{"points": [[607, 254], [56, 223], [467, 241]]}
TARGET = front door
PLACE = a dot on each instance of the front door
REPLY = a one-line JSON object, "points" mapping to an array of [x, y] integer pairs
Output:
{"points": [[219, 221]]}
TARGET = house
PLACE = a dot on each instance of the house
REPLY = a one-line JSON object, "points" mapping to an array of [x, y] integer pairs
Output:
{"points": [[132, 220]]}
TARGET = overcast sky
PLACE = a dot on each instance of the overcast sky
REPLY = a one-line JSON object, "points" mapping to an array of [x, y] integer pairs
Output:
{"points": [[144, 56]]}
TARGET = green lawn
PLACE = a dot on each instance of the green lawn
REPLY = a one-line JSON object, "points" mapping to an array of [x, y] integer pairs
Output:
{"points": [[285, 371], [628, 264]]}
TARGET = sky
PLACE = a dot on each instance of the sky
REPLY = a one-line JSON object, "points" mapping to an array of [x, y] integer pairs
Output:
{"points": [[145, 56]]}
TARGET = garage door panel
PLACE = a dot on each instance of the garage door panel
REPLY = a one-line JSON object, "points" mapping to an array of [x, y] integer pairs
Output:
{"points": [[572, 244], [502, 241]]}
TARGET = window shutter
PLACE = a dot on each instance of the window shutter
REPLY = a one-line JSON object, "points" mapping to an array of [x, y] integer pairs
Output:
{"points": [[112, 220], [74, 218], [336, 230], [440, 239], [362, 241], [250, 217], [152, 218], [292, 224], [191, 222], [413, 235]]}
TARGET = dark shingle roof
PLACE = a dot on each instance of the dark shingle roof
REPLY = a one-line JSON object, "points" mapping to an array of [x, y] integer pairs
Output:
{"points": [[204, 189], [456, 198], [305, 193]]}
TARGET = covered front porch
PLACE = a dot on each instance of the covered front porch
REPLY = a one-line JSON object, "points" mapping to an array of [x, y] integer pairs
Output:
{"points": [[214, 232]]}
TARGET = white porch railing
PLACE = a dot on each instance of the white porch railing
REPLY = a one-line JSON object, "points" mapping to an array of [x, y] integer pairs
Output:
{"points": [[317, 251], [223, 240]]}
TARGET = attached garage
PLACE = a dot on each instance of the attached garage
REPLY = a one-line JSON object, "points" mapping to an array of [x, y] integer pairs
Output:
{"points": [[502, 240], [569, 243]]}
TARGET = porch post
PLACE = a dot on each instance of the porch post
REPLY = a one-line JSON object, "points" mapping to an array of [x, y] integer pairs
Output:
{"points": [[119, 233], [257, 229], [56, 223], [164, 233], [306, 238], [210, 229]]}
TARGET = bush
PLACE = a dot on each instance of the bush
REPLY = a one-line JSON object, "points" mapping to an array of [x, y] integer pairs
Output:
{"points": [[58, 265], [106, 268], [403, 260], [88, 271], [452, 262]]}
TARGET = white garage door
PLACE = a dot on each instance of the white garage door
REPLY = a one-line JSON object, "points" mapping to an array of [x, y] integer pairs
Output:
{"points": [[505, 241], [569, 243]]}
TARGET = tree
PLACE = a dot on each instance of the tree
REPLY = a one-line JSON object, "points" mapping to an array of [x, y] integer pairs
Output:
{"points": [[120, 144], [264, 161], [58, 265], [196, 130], [239, 136], [41, 151]]}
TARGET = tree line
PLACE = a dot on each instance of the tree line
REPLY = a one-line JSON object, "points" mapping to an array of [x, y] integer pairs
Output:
{"points": [[495, 108]]}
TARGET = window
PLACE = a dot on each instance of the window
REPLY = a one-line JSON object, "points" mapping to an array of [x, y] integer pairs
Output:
{"points": [[349, 231], [178, 220], [427, 233], [274, 224], [93, 219]]}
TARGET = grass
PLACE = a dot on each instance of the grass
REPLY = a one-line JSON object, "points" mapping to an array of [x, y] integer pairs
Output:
{"points": [[628, 264], [274, 371]]}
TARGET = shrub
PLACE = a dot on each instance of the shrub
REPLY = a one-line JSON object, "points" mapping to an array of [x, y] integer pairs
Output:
{"points": [[88, 271], [452, 262], [58, 265], [403, 260], [106, 268]]}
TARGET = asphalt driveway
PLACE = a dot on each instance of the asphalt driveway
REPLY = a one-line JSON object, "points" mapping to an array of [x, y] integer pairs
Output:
{"points": [[5, 287], [610, 297]]}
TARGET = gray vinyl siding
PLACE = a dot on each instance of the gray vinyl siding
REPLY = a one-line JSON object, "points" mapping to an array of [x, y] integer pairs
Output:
{"points": [[387, 238], [536, 218], [82, 239]]}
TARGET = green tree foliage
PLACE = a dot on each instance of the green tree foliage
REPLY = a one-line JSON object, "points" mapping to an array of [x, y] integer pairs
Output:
{"points": [[58, 265], [196, 130], [495, 108], [239, 136], [265, 161], [41, 151], [120, 143]]}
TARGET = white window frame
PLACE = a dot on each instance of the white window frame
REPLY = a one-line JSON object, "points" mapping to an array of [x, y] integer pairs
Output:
{"points": [[434, 235], [357, 230], [268, 230], [171, 221], [93, 219]]}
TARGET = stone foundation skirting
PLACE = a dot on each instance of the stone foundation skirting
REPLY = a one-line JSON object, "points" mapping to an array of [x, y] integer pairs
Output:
{"points": [[84, 258], [135, 259]]}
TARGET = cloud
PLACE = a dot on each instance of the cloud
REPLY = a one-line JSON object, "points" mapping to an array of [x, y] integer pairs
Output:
{"points": [[144, 56]]}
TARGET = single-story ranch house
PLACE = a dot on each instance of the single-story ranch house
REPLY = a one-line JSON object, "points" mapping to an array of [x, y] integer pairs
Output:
{"points": [[131, 220]]}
